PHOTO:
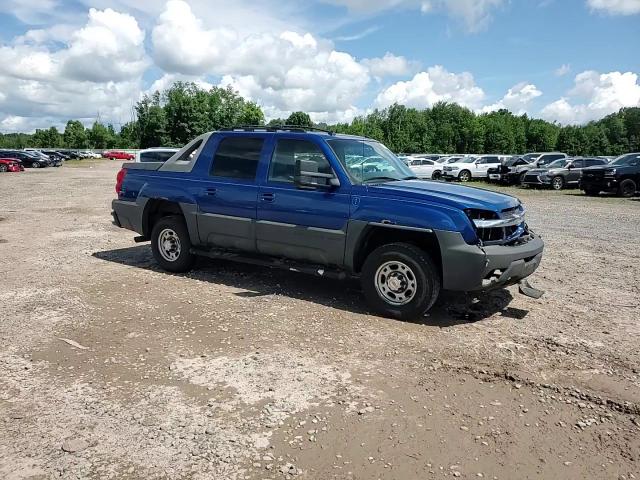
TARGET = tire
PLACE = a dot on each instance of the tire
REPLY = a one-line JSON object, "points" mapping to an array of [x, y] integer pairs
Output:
{"points": [[521, 178], [436, 175], [171, 245], [557, 183], [627, 188], [3, 168], [35, 165], [412, 266], [464, 176]]}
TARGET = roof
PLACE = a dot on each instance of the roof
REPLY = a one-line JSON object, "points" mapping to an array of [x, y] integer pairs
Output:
{"points": [[290, 129]]}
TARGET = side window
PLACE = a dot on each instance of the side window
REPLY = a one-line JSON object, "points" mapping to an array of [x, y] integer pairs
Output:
{"points": [[148, 157], [288, 151], [578, 163], [237, 157]]}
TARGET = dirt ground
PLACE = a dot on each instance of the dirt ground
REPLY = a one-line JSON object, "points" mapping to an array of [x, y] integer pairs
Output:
{"points": [[111, 368]]}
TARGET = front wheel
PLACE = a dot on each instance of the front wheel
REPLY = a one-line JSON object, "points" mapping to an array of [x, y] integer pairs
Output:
{"points": [[627, 188], [464, 176], [437, 175], [3, 168], [35, 165], [557, 183], [171, 245], [399, 280]]}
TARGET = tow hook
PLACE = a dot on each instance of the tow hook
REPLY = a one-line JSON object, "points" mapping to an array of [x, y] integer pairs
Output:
{"points": [[526, 289]]}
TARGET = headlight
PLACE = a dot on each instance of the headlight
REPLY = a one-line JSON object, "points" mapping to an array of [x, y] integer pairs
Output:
{"points": [[489, 219], [611, 172], [454, 168]]}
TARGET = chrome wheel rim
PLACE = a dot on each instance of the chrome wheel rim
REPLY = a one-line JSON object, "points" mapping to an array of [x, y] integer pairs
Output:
{"points": [[396, 283], [169, 245], [465, 176], [557, 183]]}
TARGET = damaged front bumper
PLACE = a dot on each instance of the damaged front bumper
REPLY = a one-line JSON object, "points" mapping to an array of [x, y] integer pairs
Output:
{"points": [[474, 268]]}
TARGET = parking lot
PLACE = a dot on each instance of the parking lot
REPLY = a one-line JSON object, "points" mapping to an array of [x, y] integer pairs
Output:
{"points": [[111, 367]]}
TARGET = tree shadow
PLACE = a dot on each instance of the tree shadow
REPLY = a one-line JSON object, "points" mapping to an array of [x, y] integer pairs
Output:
{"points": [[452, 308]]}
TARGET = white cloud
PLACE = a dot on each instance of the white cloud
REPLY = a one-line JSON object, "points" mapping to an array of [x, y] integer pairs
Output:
{"points": [[434, 85], [517, 99], [597, 95], [615, 7], [286, 72], [475, 15], [99, 71], [563, 70], [389, 65]]}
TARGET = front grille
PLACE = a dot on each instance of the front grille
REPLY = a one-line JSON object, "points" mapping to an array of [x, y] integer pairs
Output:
{"points": [[591, 176], [500, 235], [495, 235]]}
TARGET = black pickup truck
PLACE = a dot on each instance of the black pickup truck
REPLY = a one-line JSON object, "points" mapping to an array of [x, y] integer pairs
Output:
{"points": [[622, 176]]}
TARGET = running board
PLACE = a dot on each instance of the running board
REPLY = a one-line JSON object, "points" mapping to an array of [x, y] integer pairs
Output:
{"points": [[272, 262], [526, 289]]}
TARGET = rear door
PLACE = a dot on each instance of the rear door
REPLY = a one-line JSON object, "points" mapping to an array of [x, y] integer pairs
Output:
{"points": [[227, 199], [484, 163], [573, 176], [306, 225]]}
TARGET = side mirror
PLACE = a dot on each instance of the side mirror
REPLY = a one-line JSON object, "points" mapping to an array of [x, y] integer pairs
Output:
{"points": [[306, 177]]}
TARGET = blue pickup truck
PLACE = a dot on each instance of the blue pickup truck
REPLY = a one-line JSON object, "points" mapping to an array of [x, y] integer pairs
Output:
{"points": [[331, 205]]}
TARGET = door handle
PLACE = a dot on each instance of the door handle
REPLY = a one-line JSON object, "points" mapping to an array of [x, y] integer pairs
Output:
{"points": [[211, 192], [268, 197]]}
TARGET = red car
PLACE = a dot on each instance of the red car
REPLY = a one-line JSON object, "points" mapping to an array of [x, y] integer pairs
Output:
{"points": [[11, 165], [118, 155]]}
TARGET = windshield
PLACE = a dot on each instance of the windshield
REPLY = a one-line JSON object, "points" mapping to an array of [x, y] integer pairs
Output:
{"points": [[626, 160], [367, 161], [530, 156], [558, 163], [468, 160]]}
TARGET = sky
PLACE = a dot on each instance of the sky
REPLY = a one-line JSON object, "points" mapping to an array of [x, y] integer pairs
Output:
{"points": [[567, 61]]}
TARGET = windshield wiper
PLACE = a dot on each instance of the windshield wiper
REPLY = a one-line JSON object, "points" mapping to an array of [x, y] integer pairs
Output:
{"points": [[388, 179], [410, 178]]}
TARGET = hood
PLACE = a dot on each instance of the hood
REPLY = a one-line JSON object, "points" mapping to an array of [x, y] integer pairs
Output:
{"points": [[452, 195]]}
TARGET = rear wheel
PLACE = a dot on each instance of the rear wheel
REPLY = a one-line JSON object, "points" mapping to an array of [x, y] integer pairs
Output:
{"points": [[399, 280], [35, 165], [557, 183], [3, 168], [171, 245], [627, 188], [437, 175], [464, 176]]}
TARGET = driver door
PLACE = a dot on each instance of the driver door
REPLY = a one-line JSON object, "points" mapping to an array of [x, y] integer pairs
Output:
{"points": [[301, 224]]}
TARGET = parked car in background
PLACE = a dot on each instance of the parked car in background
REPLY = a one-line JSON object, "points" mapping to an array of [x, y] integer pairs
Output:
{"points": [[10, 165], [424, 169], [541, 159], [160, 154], [509, 171], [28, 160], [622, 176], [563, 173], [118, 155], [471, 167], [71, 154]]}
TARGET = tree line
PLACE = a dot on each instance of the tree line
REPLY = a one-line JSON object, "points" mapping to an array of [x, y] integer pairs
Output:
{"points": [[183, 111]]}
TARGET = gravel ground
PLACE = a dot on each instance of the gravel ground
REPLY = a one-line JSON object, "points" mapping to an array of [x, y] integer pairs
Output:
{"points": [[111, 368]]}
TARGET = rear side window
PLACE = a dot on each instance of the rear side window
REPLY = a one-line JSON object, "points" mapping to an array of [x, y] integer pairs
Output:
{"points": [[158, 156], [578, 163], [237, 157], [594, 162], [288, 151]]}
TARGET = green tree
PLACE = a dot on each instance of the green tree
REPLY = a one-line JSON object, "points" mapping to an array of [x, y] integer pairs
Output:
{"points": [[75, 135], [299, 119]]}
